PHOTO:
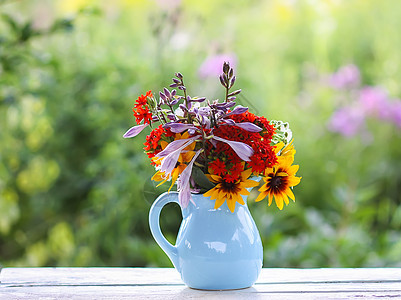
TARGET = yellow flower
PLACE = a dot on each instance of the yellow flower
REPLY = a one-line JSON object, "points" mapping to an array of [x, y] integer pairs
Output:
{"points": [[230, 192], [188, 152], [278, 182], [161, 176], [288, 150], [185, 157]]}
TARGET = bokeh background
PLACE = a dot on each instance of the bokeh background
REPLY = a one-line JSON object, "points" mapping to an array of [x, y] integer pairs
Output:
{"points": [[73, 192]]}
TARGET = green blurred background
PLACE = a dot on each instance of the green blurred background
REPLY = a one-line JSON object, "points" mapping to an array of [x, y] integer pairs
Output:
{"points": [[73, 192]]}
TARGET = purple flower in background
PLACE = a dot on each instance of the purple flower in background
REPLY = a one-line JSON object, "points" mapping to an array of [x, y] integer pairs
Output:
{"points": [[396, 112], [347, 121], [374, 101], [212, 65], [346, 77]]}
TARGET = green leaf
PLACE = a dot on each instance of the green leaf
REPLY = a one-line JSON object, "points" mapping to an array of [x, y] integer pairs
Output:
{"points": [[201, 180], [26, 32], [11, 22]]}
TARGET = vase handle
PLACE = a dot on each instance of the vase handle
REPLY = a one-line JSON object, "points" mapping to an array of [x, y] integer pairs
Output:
{"points": [[154, 223]]}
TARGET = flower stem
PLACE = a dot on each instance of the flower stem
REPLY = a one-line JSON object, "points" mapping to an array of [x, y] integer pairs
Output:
{"points": [[186, 101]]}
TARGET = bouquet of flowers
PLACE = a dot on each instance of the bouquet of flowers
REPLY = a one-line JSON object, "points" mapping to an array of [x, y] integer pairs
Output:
{"points": [[216, 148]]}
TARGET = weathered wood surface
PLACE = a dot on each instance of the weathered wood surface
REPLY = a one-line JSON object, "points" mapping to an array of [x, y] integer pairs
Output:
{"points": [[165, 283]]}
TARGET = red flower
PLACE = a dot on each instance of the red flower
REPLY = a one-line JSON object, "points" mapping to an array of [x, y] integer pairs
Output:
{"points": [[268, 130], [264, 156], [152, 144], [143, 100], [231, 133], [218, 167], [237, 169], [141, 109], [230, 178]]}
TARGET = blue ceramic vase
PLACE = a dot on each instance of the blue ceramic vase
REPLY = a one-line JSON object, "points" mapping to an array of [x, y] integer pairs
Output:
{"points": [[215, 248]]}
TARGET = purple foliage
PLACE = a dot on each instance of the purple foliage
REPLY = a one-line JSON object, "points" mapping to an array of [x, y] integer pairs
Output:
{"points": [[134, 131], [178, 127], [183, 184], [243, 150]]}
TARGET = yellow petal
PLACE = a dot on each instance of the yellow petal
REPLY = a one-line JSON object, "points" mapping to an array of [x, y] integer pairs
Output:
{"points": [[267, 172], [285, 162], [176, 172], [157, 176], [213, 178], [288, 149], [293, 169], [235, 196], [261, 196], [250, 183], [219, 202], [240, 200], [264, 188], [270, 198], [243, 191], [245, 174], [216, 192], [174, 179], [162, 183], [157, 160], [209, 192], [293, 181], [223, 195], [231, 205], [278, 147], [290, 194], [285, 198], [186, 157], [279, 201], [163, 144], [191, 146]]}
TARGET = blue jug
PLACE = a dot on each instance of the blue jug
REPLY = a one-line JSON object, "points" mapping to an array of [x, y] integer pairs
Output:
{"points": [[215, 248]]}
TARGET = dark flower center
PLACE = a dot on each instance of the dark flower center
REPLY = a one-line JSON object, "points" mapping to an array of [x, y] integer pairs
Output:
{"points": [[275, 182], [278, 183], [230, 186]]}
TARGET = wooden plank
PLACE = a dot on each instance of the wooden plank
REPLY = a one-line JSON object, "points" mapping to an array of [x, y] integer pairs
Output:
{"points": [[163, 276], [165, 283], [279, 275], [90, 276], [279, 291]]}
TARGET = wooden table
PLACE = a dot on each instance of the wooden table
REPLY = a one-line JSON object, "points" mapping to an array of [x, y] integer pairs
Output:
{"points": [[165, 283]]}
